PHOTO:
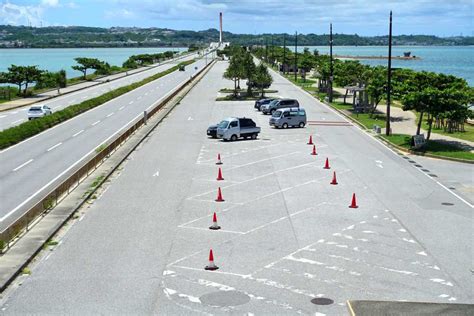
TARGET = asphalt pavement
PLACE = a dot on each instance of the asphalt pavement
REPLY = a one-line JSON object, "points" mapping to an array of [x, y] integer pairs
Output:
{"points": [[31, 167], [92, 89], [288, 243]]}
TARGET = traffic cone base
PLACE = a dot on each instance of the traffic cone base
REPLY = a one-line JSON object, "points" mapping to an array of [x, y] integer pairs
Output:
{"points": [[314, 151], [219, 162], [326, 165], [219, 196], [219, 175], [310, 142], [334, 180], [353, 203]]}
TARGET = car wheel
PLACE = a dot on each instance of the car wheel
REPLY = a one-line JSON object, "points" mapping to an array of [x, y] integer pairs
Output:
{"points": [[254, 136], [301, 124], [285, 125], [233, 138], [271, 112]]}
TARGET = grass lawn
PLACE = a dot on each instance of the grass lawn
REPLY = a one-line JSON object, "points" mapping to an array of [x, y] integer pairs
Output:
{"points": [[467, 135], [433, 147]]}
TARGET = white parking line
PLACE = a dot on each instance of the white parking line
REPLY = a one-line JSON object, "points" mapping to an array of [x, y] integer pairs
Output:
{"points": [[17, 121], [95, 123], [51, 148], [131, 102], [22, 165], [121, 108], [78, 133], [110, 114], [2, 116]]}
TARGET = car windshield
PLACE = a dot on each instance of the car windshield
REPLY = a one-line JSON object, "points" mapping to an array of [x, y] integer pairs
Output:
{"points": [[273, 102], [223, 124], [276, 114], [35, 109]]}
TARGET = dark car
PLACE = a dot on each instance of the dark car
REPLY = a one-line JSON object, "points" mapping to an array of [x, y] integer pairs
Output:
{"points": [[279, 104], [212, 131], [261, 102]]}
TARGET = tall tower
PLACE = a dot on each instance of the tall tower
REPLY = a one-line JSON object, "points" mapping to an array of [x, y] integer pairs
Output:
{"points": [[220, 28]]}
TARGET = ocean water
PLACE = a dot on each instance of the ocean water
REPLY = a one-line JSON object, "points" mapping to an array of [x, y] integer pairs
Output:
{"points": [[55, 59], [451, 60]]}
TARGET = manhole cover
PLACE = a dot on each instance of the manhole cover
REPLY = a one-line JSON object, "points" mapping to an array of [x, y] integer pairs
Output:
{"points": [[447, 204], [425, 170], [419, 166], [225, 298], [433, 175], [322, 301]]}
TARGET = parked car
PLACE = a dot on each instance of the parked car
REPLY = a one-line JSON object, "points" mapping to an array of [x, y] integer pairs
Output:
{"points": [[233, 128], [261, 102], [283, 118], [212, 131], [279, 104], [38, 111]]}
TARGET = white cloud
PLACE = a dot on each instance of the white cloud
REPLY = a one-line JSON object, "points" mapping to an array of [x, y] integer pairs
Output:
{"points": [[120, 14], [17, 14], [50, 3]]}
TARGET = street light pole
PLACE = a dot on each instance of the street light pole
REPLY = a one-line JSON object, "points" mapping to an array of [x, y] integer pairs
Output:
{"points": [[296, 56], [284, 52], [389, 76], [266, 49], [272, 51], [331, 67]]}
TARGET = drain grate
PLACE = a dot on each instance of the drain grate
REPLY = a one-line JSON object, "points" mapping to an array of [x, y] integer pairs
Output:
{"points": [[433, 175], [411, 161], [225, 298], [447, 204], [419, 166], [322, 301], [425, 170], [452, 188], [405, 157]]}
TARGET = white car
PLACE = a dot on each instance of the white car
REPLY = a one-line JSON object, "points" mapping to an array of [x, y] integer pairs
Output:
{"points": [[38, 111]]}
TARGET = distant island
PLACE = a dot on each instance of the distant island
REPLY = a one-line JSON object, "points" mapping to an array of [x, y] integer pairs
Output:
{"points": [[80, 36]]}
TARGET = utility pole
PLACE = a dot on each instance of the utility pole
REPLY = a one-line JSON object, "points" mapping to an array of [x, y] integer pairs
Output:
{"points": [[331, 66], [284, 52], [296, 56], [389, 76], [273, 54], [266, 49]]}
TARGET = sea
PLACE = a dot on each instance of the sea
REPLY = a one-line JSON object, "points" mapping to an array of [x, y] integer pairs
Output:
{"points": [[55, 59], [453, 60]]}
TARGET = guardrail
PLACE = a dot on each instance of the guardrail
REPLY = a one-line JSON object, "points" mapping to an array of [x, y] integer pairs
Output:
{"points": [[55, 195]]}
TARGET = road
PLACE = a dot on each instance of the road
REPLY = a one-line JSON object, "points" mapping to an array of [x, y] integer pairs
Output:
{"points": [[287, 237], [17, 116], [29, 168]]}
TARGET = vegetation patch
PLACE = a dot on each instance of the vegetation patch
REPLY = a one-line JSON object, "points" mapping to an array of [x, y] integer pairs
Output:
{"points": [[25, 130]]}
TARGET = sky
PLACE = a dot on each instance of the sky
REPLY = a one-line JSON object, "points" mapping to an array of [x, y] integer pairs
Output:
{"points": [[363, 17]]}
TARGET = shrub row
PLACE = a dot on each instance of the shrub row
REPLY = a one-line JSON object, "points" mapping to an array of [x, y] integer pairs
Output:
{"points": [[16, 134]]}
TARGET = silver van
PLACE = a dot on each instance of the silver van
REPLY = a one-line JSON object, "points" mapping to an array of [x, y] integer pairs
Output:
{"points": [[282, 118]]}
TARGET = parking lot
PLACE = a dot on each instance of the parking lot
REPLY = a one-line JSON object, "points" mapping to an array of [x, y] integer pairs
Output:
{"points": [[288, 243]]}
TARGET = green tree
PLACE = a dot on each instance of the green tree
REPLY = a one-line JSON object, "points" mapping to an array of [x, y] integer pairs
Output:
{"points": [[85, 64], [376, 85], [249, 68], [23, 75], [235, 71], [262, 78], [305, 63]]}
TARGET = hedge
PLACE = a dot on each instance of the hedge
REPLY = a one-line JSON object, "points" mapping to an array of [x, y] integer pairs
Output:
{"points": [[16, 134]]}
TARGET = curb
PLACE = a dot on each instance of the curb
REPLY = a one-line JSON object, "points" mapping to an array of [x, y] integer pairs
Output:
{"points": [[145, 68], [61, 222]]}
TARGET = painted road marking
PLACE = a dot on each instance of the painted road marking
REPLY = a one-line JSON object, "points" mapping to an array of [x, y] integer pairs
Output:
{"points": [[121, 108], [78, 133], [110, 114], [17, 121], [22, 165], [2, 116], [95, 123], [157, 174], [131, 102], [190, 119], [51, 148]]}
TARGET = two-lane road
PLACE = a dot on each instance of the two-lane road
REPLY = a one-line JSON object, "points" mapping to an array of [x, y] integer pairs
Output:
{"points": [[29, 168]]}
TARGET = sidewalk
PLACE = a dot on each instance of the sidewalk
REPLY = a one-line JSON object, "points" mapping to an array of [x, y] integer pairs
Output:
{"points": [[404, 122], [76, 87]]}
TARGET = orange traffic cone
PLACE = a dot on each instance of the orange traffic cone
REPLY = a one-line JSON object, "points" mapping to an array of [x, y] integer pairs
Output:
{"points": [[310, 142], [219, 175], [314, 151], [326, 165], [214, 225], [211, 265], [219, 162], [219, 196], [334, 181], [353, 203]]}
